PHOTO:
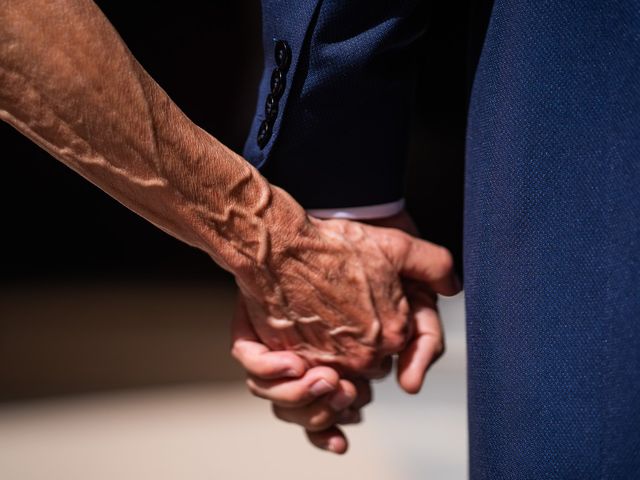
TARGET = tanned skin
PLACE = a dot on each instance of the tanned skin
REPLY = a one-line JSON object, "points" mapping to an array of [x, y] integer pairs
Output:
{"points": [[329, 290]]}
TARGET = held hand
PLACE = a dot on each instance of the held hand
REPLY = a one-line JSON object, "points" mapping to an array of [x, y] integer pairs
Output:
{"points": [[427, 344], [336, 297], [316, 399], [293, 400]]}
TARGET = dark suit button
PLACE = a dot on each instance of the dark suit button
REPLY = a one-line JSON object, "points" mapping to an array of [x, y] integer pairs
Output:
{"points": [[277, 83], [271, 108], [264, 134], [283, 55]]}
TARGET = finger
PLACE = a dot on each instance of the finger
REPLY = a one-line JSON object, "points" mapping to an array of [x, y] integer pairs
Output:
{"points": [[260, 362], [241, 328], [316, 382], [255, 357], [332, 440], [381, 370], [349, 417], [425, 348], [323, 412], [315, 417], [345, 395], [431, 264], [365, 393], [420, 260]]}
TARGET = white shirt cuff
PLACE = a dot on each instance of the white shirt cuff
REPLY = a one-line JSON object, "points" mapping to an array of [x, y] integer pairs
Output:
{"points": [[360, 213]]}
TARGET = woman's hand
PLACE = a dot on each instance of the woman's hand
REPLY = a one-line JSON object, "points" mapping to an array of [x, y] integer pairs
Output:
{"points": [[316, 398]]}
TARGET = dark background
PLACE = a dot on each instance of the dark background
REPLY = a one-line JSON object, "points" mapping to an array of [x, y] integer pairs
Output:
{"points": [[207, 56], [57, 229]]}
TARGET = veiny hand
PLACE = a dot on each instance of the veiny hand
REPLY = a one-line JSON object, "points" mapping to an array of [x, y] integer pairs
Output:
{"points": [[336, 296], [427, 344], [314, 398], [294, 400], [317, 398]]}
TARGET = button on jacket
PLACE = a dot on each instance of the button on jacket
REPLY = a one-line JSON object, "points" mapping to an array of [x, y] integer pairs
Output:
{"points": [[552, 202], [344, 90]]}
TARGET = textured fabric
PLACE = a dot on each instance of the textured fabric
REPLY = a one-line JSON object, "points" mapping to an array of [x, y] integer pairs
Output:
{"points": [[552, 214], [286, 20], [552, 243], [347, 103]]}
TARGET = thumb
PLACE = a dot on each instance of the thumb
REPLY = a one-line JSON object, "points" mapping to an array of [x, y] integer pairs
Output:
{"points": [[427, 344], [254, 356], [419, 260]]}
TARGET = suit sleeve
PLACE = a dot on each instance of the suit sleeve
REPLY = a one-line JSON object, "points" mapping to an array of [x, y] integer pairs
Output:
{"points": [[332, 121]]}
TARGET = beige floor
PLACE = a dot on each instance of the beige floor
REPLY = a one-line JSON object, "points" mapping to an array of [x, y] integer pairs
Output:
{"points": [[218, 431]]}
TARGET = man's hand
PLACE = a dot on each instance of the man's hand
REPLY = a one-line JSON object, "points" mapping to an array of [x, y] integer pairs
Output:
{"points": [[335, 295], [328, 290], [318, 399], [280, 376]]}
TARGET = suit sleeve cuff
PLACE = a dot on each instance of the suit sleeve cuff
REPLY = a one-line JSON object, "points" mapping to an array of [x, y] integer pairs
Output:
{"points": [[360, 213]]}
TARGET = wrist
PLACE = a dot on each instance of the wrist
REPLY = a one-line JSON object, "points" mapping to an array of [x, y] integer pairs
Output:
{"points": [[247, 225], [262, 228]]}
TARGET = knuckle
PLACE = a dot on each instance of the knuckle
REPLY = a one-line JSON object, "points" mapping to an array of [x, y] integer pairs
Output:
{"points": [[363, 362], [328, 374], [396, 342], [349, 389]]}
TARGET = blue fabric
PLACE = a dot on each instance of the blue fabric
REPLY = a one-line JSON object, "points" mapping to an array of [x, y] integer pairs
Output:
{"points": [[552, 213], [552, 243], [341, 136], [281, 20]]}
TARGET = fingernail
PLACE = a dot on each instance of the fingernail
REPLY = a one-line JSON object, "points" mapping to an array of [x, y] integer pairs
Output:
{"points": [[320, 388], [334, 445], [340, 401]]}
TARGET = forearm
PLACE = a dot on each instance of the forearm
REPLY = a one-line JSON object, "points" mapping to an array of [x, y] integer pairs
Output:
{"points": [[69, 83]]}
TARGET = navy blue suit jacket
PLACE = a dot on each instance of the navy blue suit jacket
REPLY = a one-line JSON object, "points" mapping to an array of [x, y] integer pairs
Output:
{"points": [[552, 203], [340, 135]]}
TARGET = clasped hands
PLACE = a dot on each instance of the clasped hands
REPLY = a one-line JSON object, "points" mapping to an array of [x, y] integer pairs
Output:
{"points": [[330, 314]]}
